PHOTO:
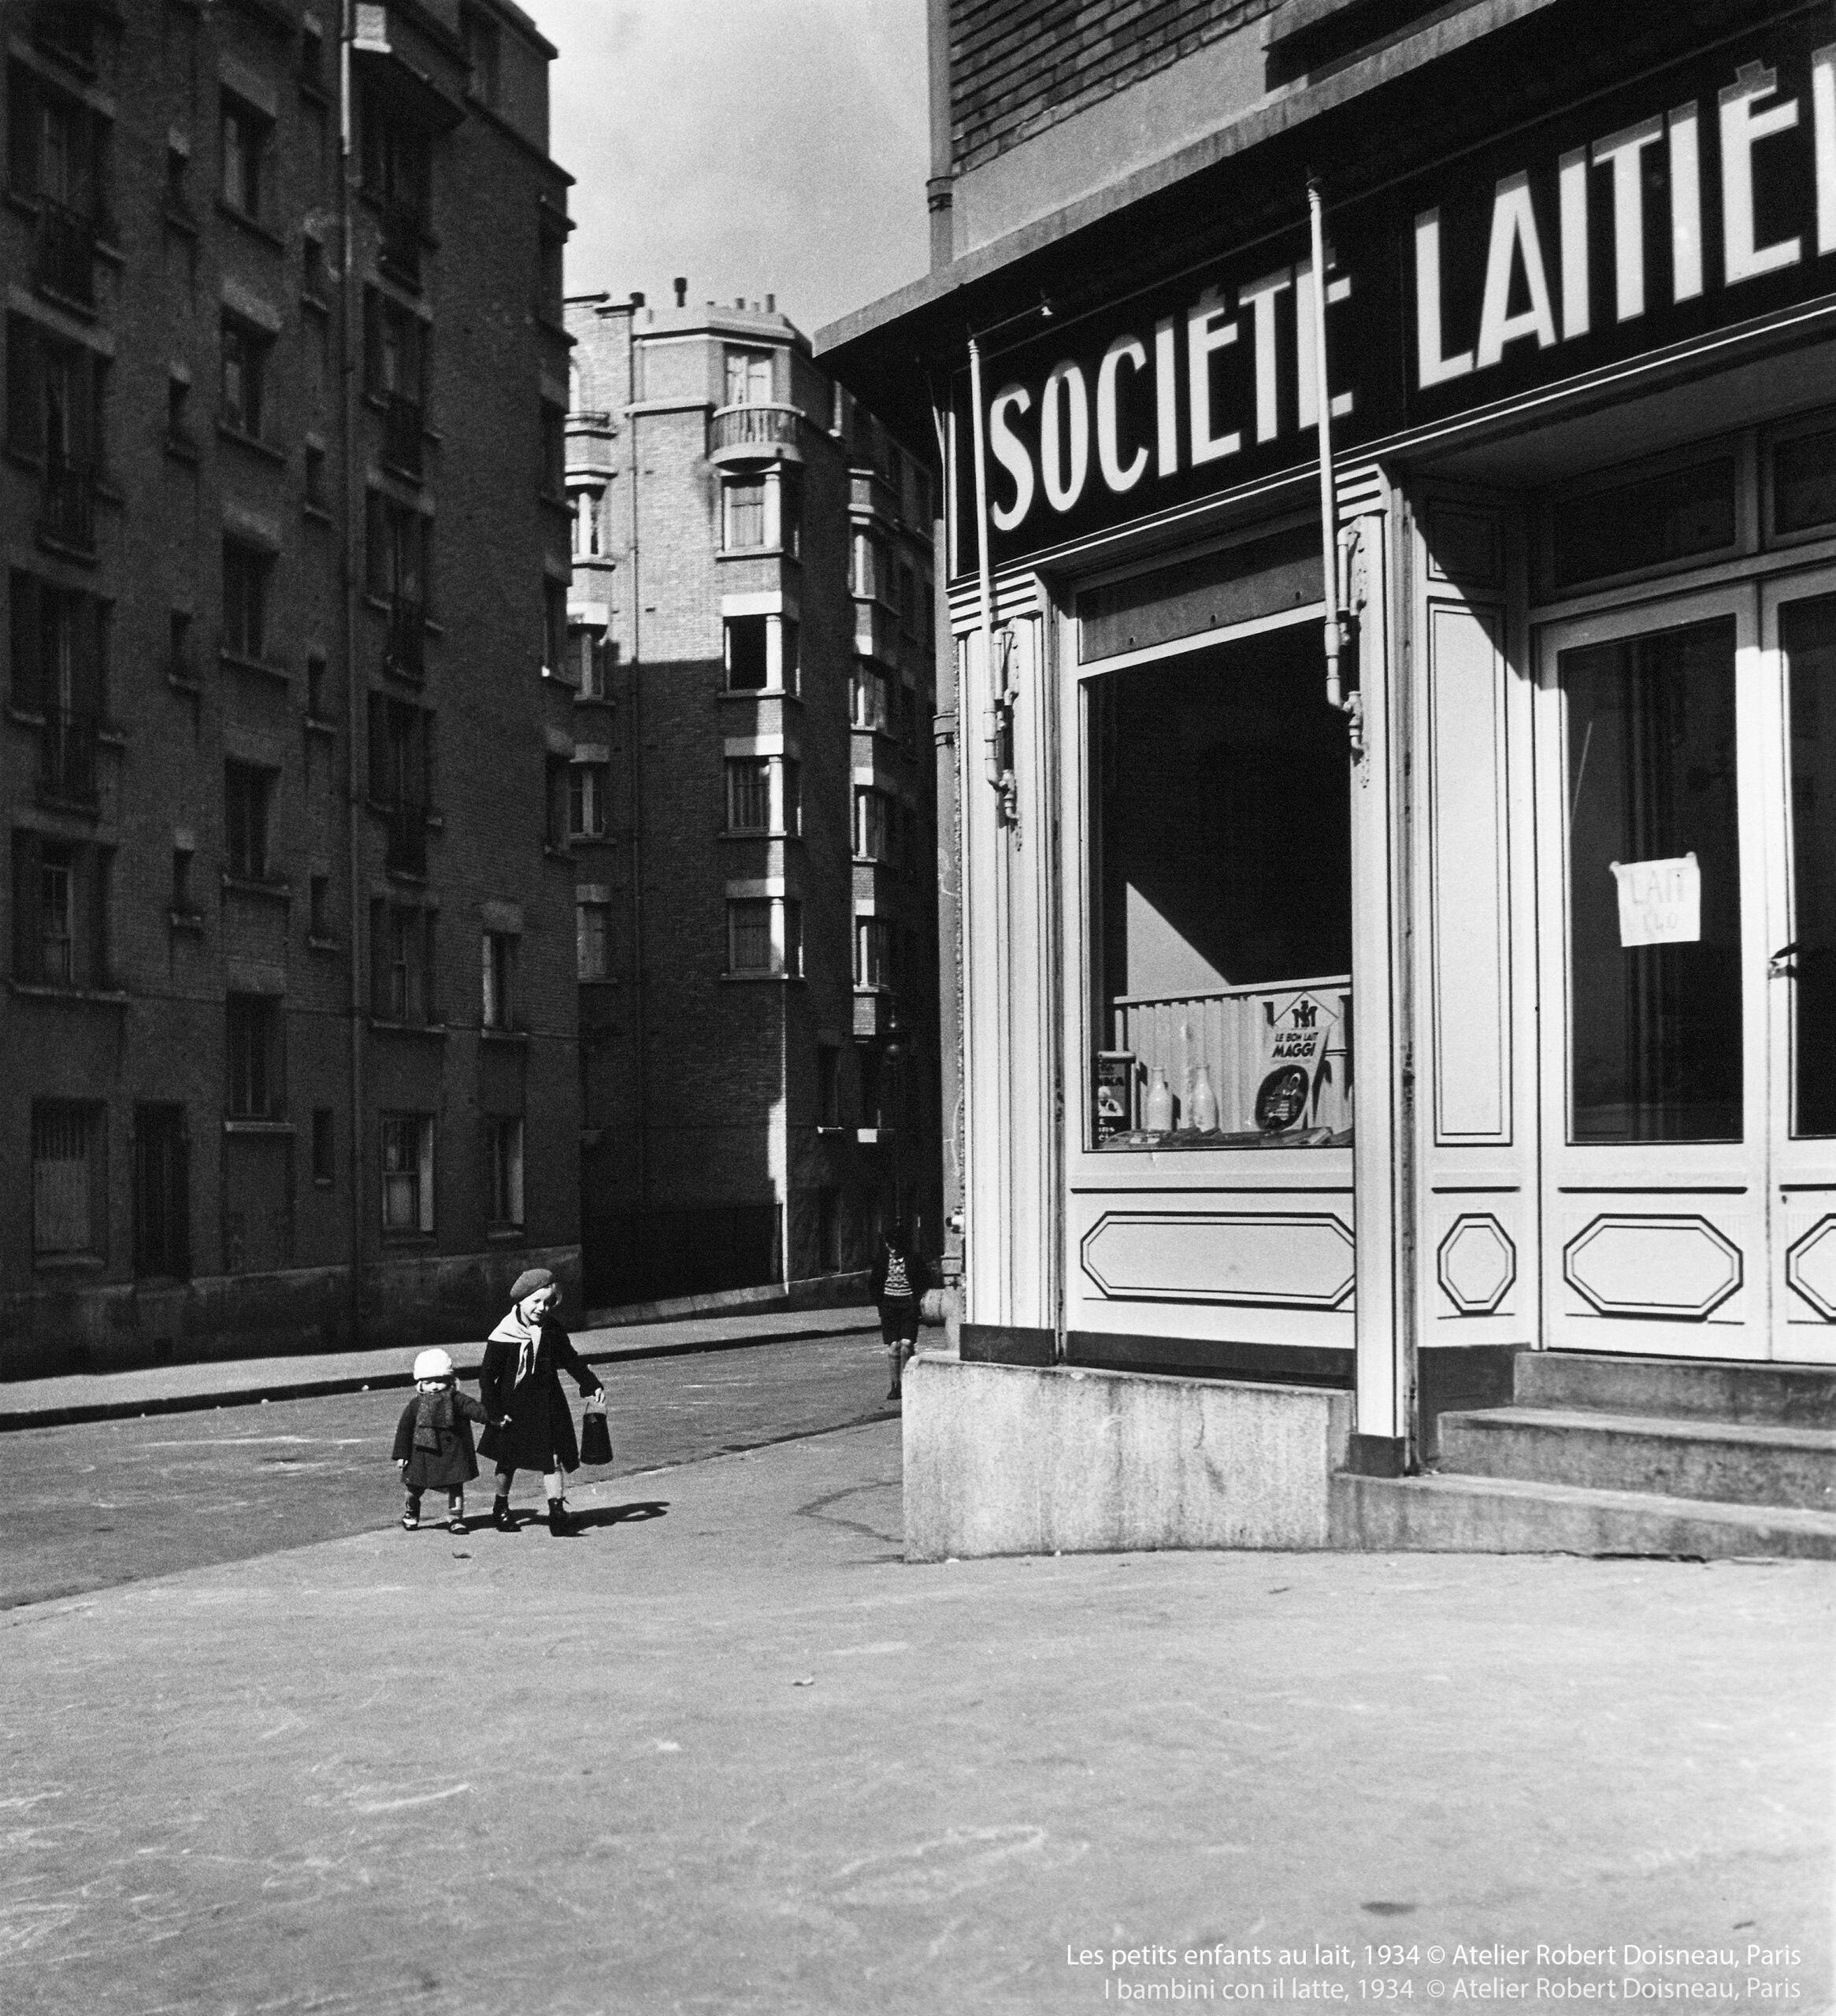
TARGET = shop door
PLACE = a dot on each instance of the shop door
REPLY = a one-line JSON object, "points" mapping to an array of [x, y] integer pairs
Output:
{"points": [[1687, 842]]}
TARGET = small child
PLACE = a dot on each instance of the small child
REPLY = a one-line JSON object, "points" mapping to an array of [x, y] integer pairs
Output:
{"points": [[433, 1440]]}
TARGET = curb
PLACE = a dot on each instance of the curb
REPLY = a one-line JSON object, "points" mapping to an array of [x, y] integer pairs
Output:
{"points": [[311, 1389]]}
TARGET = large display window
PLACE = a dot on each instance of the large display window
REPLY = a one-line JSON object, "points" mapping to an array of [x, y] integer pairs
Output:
{"points": [[1220, 878]]}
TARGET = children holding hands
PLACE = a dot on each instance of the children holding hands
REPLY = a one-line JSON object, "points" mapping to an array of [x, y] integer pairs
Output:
{"points": [[433, 1440]]}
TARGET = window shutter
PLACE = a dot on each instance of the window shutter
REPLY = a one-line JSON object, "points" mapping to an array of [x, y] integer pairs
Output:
{"points": [[28, 658], [25, 403]]}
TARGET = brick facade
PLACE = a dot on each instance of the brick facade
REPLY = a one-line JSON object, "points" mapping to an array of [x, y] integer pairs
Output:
{"points": [[277, 723], [755, 1109], [1019, 66]]}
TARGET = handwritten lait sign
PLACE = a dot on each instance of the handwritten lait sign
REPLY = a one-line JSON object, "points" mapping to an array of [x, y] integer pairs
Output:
{"points": [[1688, 202], [1660, 901]]}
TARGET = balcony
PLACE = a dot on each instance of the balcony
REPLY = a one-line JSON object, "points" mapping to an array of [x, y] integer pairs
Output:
{"points": [[403, 426], [67, 757], [67, 506], [64, 262], [406, 653], [402, 228], [406, 850], [756, 434]]}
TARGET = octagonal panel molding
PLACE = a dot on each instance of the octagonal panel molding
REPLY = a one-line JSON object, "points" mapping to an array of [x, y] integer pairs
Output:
{"points": [[1292, 1259], [1625, 1265], [1810, 1267], [1477, 1263]]}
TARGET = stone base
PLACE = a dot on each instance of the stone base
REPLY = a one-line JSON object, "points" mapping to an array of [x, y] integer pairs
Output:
{"points": [[1020, 1459]]}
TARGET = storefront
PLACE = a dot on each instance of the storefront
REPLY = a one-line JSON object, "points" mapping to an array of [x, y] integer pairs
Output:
{"points": [[1356, 1033]]}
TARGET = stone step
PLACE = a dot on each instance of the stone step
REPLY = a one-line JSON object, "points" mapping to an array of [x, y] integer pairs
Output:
{"points": [[1714, 1389], [1447, 1514], [1743, 1463]]}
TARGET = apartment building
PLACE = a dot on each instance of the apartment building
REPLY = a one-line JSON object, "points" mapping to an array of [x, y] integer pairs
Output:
{"points": [[749, 804], [1391, 566], [290, 1002]]}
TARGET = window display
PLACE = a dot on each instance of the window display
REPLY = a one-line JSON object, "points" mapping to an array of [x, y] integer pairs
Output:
{"points": [[1221, 894]]}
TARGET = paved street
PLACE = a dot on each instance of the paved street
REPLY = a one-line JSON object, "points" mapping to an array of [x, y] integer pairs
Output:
{"points": [[736, 1755], [119, 1501]]}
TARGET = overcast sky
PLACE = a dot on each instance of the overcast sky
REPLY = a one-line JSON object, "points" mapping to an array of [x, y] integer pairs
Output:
{"points": [[755, 145]]}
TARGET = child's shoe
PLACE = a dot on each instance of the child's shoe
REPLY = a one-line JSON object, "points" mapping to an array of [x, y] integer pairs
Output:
{"points": [[411, 1514], [456, 1524], [500, 1516], [559, 1524]]}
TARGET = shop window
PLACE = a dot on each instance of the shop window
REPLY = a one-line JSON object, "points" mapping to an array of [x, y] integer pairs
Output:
{"points": [[503, 1151], [1804, 482], [406, 1144], [1680, 514], [1654, 1030], [69, 1199], [1220, 932], [254, 1090]]}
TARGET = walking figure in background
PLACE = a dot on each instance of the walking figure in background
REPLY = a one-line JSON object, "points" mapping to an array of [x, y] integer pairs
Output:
{"points": [[900, 1278], [433, 1440], [520, 1380]]}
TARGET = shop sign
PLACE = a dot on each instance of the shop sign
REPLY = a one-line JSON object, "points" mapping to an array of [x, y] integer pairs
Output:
{"points": [[1699, 198], [1660, 901], [1293, 1047], [1114, 1093]]}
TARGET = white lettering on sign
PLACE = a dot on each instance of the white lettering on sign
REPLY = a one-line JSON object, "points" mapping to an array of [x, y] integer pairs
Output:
{"points": [[1660, 901]]}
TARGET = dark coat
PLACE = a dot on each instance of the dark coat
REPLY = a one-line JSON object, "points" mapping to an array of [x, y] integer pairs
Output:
{"points": [[916, 1272], [453, 1462], [540, 1435]]}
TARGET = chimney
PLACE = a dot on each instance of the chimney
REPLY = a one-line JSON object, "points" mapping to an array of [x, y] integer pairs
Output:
{"points": [[739, 303], [681, 286], [771, 304], [636, 298]]}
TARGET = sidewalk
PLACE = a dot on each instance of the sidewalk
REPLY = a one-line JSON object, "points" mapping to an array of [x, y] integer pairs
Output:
{"points": [[242, 1382], [726, 1751]]}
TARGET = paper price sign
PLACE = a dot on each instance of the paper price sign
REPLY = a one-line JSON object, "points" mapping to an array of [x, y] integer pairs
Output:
{"points": [[1660, 901]]}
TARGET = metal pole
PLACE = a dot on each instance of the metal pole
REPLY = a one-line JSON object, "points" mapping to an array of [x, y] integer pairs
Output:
{"points": [[1329, 509]]}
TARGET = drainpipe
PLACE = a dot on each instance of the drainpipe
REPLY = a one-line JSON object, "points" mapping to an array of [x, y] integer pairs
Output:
{"points": [[999, 697], [1334, 550], [939, 190], [640, 1060], [354, 685], [943, 729]]}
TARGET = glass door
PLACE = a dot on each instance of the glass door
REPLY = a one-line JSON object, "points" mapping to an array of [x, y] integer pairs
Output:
{"points": [[1657, 825], [1799, 619]]}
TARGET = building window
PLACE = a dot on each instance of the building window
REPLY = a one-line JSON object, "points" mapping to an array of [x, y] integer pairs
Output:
{"points": [[396, 162], [588, 522], [407, 1171], [498, 1006], [873, 701], [57, 148], [790, 510], [255, 1091], [748, 377], [317, 698], [908, 600], [245, 599], [248, 794], [791, 822], [591, 933], [587, 786], [68, 1196], [553, 437], [748, 793], [872, 822], [828, 1084], [553, 628], [244, 354], [744, 525], [747, 653], [402, 948], [555, 804], [590, 654], [873, 567], [478, 36], [749, 936], [319, 908], [324, 1146], [245, 149], [162, 1193], [873, 953], [504, 1155], [60, 912], [182, 903]]}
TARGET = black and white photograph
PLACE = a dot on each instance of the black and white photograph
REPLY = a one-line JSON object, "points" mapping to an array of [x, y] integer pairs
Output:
{"points": [[921, 1006]]}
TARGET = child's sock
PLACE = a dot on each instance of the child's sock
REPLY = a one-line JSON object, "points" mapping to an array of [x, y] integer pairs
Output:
{"points": [[411, 1510]]}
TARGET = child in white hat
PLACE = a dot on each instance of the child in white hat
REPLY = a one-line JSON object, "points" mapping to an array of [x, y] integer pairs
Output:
{"points": [[433, 1440]]}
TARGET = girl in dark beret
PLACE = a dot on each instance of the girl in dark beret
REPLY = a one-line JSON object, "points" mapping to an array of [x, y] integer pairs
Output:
{"points": [[520, 1381]]}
